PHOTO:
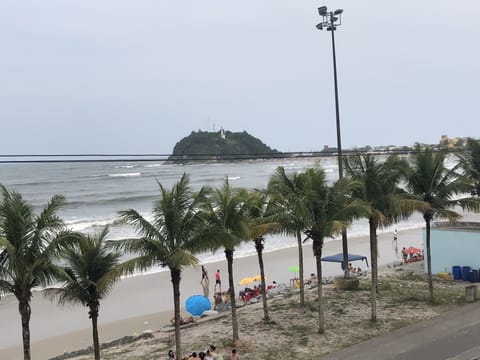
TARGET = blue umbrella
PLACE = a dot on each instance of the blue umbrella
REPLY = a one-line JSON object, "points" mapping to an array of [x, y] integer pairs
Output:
{"points": [[197, 304]]}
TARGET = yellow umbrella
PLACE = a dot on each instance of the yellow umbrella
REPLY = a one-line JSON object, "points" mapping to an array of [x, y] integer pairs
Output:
{"points": [[258, 278], [246, 281]]}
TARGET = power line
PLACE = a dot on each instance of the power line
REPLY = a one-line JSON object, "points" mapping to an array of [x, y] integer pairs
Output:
{"points": [[186, 158]]}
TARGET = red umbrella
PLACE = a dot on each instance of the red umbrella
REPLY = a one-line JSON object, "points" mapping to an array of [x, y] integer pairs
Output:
{"points": [[413, 250]]}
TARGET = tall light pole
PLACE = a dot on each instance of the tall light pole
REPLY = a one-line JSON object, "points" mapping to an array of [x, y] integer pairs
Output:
{"points": [[330, 21]]}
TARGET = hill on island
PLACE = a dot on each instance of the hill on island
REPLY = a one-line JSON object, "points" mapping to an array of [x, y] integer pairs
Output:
{"points": [[220, 145]]}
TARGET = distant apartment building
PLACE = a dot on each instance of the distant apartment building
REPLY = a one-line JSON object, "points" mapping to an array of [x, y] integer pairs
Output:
{"points": [[450, 143]]}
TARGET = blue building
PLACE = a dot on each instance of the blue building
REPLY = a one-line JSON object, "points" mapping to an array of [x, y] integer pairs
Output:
{"points": [[454, 244]]}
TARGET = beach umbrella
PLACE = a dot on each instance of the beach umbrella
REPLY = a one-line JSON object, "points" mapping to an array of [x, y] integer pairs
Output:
{"points": [[246, 281], [413, 250], [259, 278], [294, 268], [197, 304]]}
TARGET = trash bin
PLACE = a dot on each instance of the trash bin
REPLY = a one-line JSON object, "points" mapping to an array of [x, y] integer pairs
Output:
{"points": [[473, 276], [465, 272], [457, 272], [470, 293]]}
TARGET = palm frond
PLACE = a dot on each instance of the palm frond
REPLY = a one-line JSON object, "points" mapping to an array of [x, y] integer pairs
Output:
{"points": [[146, 229]]}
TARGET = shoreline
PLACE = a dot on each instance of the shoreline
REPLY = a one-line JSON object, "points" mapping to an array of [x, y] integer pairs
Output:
{"points": [[145, 302]]}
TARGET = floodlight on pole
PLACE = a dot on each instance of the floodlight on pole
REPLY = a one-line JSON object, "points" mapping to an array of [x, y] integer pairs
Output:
{"points": [[330, 21], [322, 10]]}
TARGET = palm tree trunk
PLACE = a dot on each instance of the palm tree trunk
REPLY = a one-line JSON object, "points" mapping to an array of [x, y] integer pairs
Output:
{"points": [[300, 268], [317, 251], [96, 344], [259, 247], [175, 275], [346, 273], [25, 313], [373, 260], [429, 262], [229, 256]]}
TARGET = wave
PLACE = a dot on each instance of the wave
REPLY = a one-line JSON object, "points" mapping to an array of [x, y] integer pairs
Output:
{"points": [[232, 177], [124, 166], [152, 165], [84, 224], [126, 174], [114, 198]]}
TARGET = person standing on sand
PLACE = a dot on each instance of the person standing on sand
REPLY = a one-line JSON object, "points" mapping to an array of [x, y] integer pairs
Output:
{"points": [[218, 281], [404, 255], [395, 242], [205, 282]]}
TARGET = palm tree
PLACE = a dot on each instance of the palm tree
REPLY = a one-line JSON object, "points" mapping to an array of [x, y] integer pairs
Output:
{"points": [[470, 163], [90, 271], [329, 212], [228, 226], [170, 240], [260, 224], [286, 191], [27, 245], [438, 186], [377, 185]]}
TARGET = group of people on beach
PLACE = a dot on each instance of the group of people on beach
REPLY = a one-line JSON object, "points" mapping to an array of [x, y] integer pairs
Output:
{"points": [[409, 257], [209, 354], [354, 270]]}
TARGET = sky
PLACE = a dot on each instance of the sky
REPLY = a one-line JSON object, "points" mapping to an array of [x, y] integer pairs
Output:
{"points": [[116, 76]]}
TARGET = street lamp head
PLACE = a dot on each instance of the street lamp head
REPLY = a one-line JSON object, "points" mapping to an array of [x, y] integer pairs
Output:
{"points": [[319, 26], [322, 10], [338, 12]]}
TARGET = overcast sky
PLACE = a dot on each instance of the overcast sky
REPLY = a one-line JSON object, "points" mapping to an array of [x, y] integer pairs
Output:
{"points": [[115, 76]]}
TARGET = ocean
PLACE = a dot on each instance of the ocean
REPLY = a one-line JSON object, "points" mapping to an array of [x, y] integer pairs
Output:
{"points": [[97, 191]]}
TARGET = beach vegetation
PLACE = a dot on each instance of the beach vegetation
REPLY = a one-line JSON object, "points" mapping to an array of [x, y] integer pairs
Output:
{"points": [[442, 189], [329, 211], [377, 185], [470, 164], [286, 190], [261, 223], [227, 221], [169, 240], [90, 270], [28, 244]]}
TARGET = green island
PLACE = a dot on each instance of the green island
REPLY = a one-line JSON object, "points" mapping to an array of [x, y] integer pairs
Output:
{"points": [[219, 145]]}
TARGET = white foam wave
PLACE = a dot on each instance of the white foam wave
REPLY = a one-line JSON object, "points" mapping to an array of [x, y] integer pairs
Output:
{"points": [[125, 175], [232, 177], [84, 224], [124, 166], [152, 165]]}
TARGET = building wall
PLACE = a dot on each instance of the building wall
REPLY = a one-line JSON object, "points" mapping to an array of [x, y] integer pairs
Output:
{"points": [[453, 248]]}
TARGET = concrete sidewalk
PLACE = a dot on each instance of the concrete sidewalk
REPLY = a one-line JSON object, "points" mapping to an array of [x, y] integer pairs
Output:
{"points": [[454, 335]]}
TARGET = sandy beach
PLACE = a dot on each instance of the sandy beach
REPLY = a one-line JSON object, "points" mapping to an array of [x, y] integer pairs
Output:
{"points": [[145, 302]]}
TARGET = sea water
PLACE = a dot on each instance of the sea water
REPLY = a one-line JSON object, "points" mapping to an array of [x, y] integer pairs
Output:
{"points": [[97, 191]]}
